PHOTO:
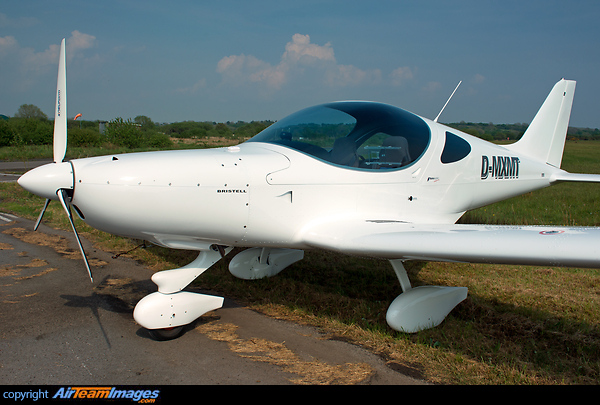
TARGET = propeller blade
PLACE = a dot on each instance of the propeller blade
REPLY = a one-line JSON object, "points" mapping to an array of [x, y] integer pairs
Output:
{"points": [[39, 220], [60, 110], [62, 196]]}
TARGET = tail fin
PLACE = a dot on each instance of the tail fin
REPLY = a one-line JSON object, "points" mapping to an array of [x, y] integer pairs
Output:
{"points": [[545, 137]]}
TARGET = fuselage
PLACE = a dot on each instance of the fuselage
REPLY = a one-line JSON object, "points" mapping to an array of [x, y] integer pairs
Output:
{"points": [[268, 191], [260, 194]]}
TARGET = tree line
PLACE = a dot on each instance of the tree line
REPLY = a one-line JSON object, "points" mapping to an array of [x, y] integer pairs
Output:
{"points": [[30, 126], [513, 132]]}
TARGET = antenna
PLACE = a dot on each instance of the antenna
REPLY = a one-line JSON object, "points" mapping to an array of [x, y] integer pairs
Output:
{"points": [[438, 116]]}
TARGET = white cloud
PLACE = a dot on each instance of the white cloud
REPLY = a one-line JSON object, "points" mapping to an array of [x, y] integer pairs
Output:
{"points": [[7, 44], [432, 87], [300, 60], [401, 75], [78, 41], [31, 60], [28, 65], [194, 88], [348, 75], [37, 61], [239, 69], [301, 51], [478, 79], [472, 85]]}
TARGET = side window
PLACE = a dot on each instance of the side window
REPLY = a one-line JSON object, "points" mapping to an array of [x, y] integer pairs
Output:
{"points": [[455, 149]]}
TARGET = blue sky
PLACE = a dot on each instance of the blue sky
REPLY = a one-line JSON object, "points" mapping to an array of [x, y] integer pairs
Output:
{"points": [[256, 60]]}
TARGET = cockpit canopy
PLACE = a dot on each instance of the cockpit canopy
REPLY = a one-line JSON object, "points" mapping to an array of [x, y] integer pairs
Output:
{"points": [[353, 134]]}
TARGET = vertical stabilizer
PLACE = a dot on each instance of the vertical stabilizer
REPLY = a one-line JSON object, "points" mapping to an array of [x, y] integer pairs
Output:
{"points": [[545, 137], [60, 109]]}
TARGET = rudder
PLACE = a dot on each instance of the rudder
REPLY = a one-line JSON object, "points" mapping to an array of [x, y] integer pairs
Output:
{"points": [[545, 137]]}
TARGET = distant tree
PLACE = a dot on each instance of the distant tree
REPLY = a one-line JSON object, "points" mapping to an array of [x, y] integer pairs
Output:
{"points": [[188, 129], [30, 111], [248, 130], [124, 133], [222, 129], [32, 131], [7, 135], [130, 134], [144, 122], [85, 137], [157, 140]]}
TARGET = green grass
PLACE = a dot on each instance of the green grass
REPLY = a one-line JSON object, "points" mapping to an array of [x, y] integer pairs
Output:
{"points": [[31, 152], [519, 324]]}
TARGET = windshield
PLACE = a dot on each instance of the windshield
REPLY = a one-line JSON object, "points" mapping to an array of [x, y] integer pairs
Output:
{"points": [[353, 134]]}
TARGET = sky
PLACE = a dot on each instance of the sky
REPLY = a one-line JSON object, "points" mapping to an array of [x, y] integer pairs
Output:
{"points": [[232, 60]]}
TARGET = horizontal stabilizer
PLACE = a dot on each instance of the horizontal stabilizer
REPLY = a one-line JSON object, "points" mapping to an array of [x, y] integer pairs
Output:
{"points": [[585, 178]]}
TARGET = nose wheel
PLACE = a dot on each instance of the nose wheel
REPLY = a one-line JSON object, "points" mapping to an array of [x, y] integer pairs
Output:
{"points": [[165, 333], [165, 312]]}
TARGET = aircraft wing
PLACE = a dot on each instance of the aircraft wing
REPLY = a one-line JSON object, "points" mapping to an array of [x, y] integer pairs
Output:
{"points": [[519, 245]]}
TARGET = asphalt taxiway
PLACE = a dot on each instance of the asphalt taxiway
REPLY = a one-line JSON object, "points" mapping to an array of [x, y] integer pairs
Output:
{"points": [[11, 171], [59, 328]]}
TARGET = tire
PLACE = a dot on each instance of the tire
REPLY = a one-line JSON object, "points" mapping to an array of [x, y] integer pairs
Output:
{"points": [[165, 334]]}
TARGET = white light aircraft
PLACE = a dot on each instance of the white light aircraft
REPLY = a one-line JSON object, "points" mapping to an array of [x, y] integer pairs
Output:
{"points": [[361, 178]]}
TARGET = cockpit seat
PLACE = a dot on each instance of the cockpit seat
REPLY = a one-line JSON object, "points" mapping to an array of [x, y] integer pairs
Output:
{"points": [[394, 152], [344, 152]]}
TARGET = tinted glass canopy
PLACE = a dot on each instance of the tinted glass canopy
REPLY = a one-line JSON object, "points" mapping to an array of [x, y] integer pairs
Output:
{"points": [[353, 134]]}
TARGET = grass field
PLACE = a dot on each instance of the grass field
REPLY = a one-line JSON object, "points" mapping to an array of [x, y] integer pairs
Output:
{"points": [[519, 324]]}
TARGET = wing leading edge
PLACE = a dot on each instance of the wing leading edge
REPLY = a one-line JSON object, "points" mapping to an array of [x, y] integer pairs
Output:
{"points": [[519, 245]]}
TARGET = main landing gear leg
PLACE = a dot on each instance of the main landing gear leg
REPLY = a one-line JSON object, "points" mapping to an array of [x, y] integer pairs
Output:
{"points": [[165, 312], [421, 307]]}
